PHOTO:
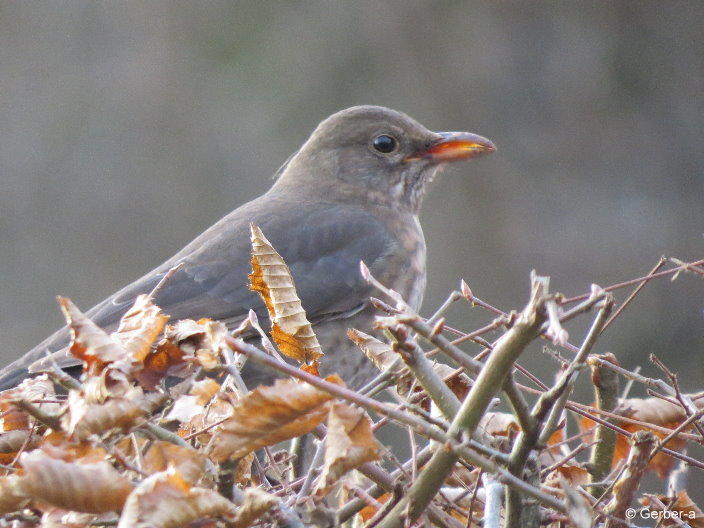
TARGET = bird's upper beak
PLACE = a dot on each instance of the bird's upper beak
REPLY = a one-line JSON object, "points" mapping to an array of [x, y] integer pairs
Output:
{"points": [[454, 146]]}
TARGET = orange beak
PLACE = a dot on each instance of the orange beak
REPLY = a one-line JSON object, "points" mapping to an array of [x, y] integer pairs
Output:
{"points": [[455, 146]]}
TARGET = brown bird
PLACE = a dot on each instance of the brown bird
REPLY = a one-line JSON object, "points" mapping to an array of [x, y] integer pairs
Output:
{"points": [[351, 193]]}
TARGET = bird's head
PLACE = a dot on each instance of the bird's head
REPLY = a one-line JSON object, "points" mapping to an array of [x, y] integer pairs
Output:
{"points": [[380, 152]]}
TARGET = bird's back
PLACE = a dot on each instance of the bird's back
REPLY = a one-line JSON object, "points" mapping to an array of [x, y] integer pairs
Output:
{"points": [[322, 242]]}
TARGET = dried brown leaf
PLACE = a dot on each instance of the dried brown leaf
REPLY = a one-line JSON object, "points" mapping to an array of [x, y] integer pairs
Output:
{"points": [[243, 472], [655, 411], [187, 406], [185, 343], [271, 414], [572, 474], [89, 342], [349, 444], [499, 424], [12, 496], [189, 462], [167, 500], [165, 359], [204, 390], [271, 278], [219, 409], [184, 409], [93, 488], [378, 352], [140, 327], [114, 414], [12, 441], [37, 391], [59, 518], [58, 445]]}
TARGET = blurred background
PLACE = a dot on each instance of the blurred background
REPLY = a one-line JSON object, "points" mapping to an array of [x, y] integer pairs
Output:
{"points": [[128, 128]]}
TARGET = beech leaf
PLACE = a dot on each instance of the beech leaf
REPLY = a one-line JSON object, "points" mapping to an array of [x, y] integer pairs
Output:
{"points": [[270, 414], [271, 278]]}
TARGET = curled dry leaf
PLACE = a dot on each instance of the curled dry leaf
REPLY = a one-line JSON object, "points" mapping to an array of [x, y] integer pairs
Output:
{"points": [[167, 500], [272, 279], [204, 390], [115, 414], [140, 327], [162, 455], [37, 391], [243, 472], [184, 408], [367, 513], [184, 344], [349, 444], [219, 409], [12, 441], [271, 414], [192, 404], [190, 335], [89, 342], [58, 445], [655, 411], [159, 363], [499, 424], [93, 488], [202, 340], [378, 352], [571, 474], [12, 496], [386, 360], [686, 510]]}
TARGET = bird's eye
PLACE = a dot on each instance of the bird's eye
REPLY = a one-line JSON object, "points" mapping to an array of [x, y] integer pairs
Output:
{"points": [[385, 144]]}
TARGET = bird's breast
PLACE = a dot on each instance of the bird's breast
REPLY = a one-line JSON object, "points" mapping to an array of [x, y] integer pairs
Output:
{"points": [[406, 267]]}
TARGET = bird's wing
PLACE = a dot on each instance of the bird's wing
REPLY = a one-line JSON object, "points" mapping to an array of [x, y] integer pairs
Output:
{"points": [[322, 247], [322, 244]]}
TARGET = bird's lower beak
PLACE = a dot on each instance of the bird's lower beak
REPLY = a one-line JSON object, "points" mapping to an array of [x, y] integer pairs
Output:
{"points": [[455, 146]]}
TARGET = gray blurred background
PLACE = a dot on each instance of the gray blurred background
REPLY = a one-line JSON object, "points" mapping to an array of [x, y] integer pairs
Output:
{"points": [[128, 128]]}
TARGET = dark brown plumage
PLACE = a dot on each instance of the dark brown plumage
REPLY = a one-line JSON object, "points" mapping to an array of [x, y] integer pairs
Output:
{"points": [[351, 193]]}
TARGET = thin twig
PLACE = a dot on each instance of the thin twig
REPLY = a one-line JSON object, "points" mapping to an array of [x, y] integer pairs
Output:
{"points": [[606, 391], [628, 483], [638, 280], [633, 294]]}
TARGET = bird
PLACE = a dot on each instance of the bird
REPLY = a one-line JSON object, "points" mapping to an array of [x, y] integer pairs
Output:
{"points": [[351, 193]]}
